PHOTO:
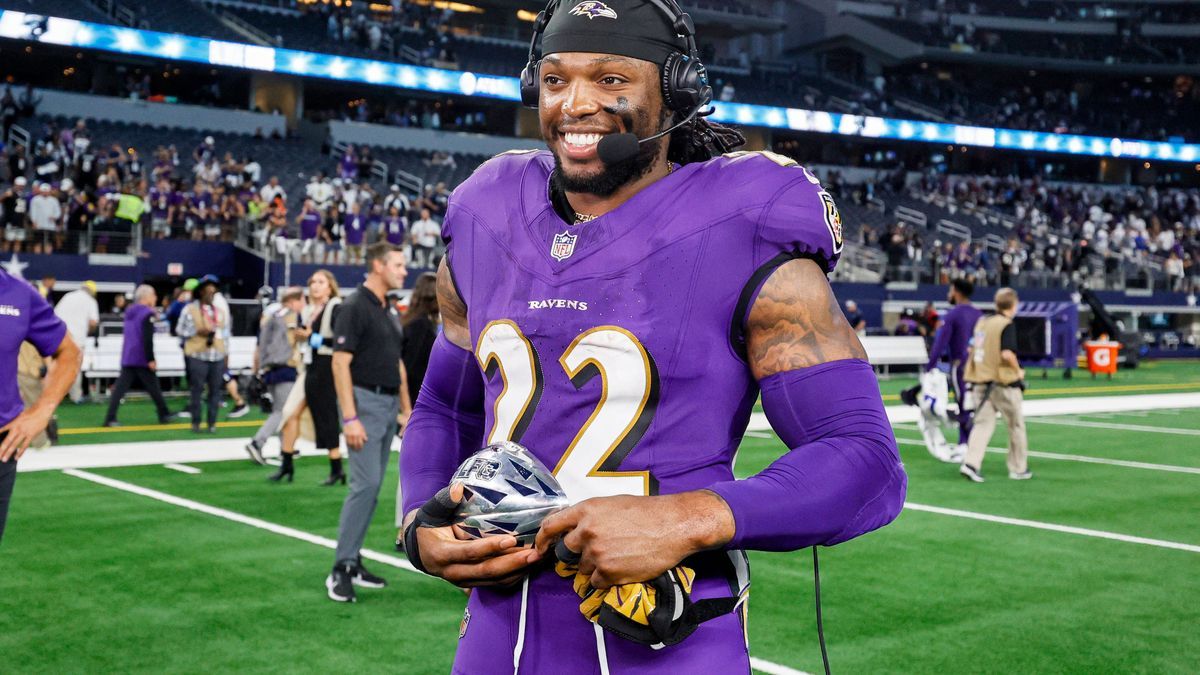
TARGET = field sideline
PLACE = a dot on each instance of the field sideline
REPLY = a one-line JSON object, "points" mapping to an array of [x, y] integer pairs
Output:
{"points": [[1086, 568]]}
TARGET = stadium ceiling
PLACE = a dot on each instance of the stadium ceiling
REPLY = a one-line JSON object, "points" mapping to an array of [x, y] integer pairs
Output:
{"points": [[118, 39]]}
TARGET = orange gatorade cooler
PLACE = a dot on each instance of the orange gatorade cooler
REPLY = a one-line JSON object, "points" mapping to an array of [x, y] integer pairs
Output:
{"points": [[1102, 357]]}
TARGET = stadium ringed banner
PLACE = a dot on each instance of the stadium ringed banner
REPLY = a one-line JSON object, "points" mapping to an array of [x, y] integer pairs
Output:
{"points": [[119, 39]]}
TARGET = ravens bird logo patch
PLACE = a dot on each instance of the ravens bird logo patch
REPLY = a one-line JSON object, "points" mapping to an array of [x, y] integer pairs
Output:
{"points": [[592, 9], [833, 220]]}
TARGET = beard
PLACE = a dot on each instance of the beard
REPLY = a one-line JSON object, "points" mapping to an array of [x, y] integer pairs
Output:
{"points": [[613, 176]]}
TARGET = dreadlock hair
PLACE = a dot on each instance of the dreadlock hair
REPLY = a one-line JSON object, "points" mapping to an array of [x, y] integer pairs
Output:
{"points": [[700, 140]]}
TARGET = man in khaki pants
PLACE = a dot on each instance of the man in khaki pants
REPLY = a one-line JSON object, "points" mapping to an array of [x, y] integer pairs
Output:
{"points": [[997, 382]]}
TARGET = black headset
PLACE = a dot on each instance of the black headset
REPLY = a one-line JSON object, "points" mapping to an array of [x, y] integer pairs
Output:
{"points": [[685, 86]]}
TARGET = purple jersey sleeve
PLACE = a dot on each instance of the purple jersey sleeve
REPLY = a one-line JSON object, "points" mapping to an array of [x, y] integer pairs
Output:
{"points": [[804, 221], [798, 217], [940, 342]]}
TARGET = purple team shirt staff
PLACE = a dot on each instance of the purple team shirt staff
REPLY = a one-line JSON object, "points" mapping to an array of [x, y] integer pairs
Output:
{"points": [[24, 316], [138, 346], [655, 293]]}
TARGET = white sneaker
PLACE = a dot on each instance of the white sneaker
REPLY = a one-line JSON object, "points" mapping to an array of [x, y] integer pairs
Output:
{"points": [[970, 473], [1024, 475]]}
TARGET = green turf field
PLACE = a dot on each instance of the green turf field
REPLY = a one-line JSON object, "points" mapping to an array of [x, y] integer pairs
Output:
{"points": [[100, 580], [82, 423], [1150, 377]]}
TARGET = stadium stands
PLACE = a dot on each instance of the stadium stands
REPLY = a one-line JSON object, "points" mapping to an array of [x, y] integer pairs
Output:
{"points": [[1158, 110]]}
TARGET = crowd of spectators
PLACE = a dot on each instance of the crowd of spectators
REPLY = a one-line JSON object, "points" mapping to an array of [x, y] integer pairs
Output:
{"points": [[74, 194], [1061, 234]]}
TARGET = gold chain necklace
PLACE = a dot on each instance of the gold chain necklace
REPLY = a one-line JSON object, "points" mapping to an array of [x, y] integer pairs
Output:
{"points": [[581, 218]]}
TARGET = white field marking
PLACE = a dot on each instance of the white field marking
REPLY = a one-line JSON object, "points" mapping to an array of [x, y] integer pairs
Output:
{"points": [[1038, 525], [191, 451], [182, 468], [773, 668], [1083, 458], [235, 517], [758, 664], [760, 434], [1076, 405], [1118, 427]]}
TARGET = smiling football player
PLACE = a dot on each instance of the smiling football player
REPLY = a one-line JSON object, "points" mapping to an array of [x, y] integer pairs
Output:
{"points": [[616, 304]]}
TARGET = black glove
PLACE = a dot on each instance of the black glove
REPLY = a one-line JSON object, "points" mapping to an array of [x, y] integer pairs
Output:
{"points": [[437, 512]]}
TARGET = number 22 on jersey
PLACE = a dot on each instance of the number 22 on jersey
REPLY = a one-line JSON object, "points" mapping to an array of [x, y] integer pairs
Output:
{"points": [[628, 398]]}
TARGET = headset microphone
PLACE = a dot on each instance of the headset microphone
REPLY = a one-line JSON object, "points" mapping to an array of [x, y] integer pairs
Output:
{"points": [[617, 148]]}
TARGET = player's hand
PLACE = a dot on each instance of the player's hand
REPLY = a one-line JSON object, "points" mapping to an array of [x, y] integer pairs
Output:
{"points": [[490, 561], [153, 366], [356, 435], [631, 539], [21, 432]]}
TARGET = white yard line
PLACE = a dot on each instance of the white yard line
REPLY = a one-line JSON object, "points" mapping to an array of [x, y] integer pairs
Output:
{"points": [[182, 468], [1077, 405], [235, 517], [394, 561], [760, 434], [1118, 427], [1083, 458], [773, 668], [1038, 525]]}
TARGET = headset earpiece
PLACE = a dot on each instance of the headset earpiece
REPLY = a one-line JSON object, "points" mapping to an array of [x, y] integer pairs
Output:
{"points": [[530, 89], [685, 83]]}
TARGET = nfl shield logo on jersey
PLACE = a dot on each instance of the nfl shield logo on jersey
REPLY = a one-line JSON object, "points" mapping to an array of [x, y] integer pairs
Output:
{"points": [[563, 246]]}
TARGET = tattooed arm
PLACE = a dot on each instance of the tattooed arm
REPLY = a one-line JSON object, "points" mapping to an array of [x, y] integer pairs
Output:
{"points": [[452, 309], [842, 476], [796, 323]]}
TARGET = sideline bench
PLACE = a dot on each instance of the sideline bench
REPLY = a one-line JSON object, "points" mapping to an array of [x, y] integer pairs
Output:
{"points": [[895, 350], [102, 356]]}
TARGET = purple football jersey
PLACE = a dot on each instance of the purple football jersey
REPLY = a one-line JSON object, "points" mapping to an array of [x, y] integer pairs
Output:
{"points": [[612, 350], [954, 337], [24, 315]]}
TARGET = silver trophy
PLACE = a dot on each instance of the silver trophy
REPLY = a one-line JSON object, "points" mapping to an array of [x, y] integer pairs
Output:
{"points": [[506, 490]]}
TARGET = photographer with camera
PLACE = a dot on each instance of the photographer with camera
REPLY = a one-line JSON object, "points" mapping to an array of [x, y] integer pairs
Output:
{"points": [[202, 328], [276, 363], [997, 385]]}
